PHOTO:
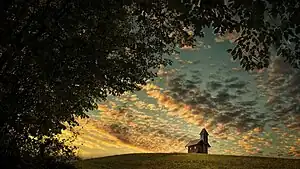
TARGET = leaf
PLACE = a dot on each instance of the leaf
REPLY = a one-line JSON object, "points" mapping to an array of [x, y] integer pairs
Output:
{"points": [[238, 28], [286, 35], [234, 57], [247, 48], [298, 30], [229, 50]]}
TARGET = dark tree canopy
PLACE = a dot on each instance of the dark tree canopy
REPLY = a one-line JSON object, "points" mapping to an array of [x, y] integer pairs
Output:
{"points": [[266, 27], [58, 58]]}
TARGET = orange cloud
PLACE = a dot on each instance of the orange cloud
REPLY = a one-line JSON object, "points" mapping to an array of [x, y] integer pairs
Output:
{"points": [[93, 141], [295, 151], [174, 108]]}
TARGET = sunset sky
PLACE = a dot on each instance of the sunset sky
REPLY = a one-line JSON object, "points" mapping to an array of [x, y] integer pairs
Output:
{"points": [[245, 113]]}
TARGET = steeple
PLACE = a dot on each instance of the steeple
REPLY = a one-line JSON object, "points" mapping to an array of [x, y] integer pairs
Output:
{"points": [[204, 135]]}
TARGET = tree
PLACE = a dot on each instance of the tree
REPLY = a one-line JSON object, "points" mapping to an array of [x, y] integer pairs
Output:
{"points": [[59, 58], [266, 27]]}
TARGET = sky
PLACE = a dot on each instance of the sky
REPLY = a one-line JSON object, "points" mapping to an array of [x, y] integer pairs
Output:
{"points": [[245, 113]]}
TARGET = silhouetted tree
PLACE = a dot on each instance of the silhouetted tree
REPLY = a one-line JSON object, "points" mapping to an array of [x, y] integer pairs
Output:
{"points": [[58, 58], [265, 27]]}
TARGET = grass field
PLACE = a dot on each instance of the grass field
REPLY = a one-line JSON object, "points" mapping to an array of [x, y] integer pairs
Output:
{"points": [[187, 161]]}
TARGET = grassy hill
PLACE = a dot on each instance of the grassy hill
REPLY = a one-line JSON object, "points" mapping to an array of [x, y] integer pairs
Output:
{"points": [[187, 161]]}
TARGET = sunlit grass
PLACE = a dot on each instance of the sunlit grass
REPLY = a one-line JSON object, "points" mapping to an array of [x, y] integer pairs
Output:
{"points": [[187, 161]]}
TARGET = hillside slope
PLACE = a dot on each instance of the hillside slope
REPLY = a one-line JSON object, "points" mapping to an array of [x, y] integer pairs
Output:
{"points": [[187, 161]]}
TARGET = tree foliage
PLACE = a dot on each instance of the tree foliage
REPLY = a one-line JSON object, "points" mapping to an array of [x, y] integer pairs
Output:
{"points": [[59, 58], [265, 27]]}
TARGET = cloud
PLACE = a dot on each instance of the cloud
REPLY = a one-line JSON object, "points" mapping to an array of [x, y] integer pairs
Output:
{"points": [[144, 131], [217, 103], [283, 90], [94, 141], [231, 79], [295, 151], [279, 84], [248, 103], [223, 96], [214, 85], [203, 109], [241, 118], [237, 85]]}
